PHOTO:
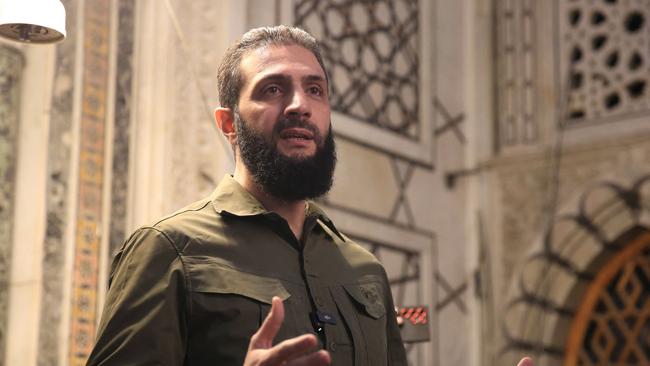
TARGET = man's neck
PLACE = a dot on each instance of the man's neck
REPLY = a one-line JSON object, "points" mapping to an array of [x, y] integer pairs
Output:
{"points": [[292, 211]]}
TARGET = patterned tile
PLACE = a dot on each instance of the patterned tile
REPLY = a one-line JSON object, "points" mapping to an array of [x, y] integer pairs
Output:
{"points": [[91, 176]]}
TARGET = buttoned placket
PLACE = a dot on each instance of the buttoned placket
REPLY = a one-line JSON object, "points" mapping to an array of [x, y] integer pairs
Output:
{"points": [[320, 316]]}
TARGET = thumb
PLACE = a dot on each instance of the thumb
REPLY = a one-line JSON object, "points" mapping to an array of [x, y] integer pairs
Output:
{"points": [[264, 336], [526, 361]]}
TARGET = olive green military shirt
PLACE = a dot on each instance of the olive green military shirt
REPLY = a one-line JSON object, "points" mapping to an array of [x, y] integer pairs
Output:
{"points": [[194, 287]]}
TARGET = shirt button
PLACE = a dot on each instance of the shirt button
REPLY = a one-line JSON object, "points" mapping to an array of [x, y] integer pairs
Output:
{"points": [[318, 300], [332, 347]]}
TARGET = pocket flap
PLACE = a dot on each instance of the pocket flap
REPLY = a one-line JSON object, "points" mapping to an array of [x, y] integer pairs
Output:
{"points": [[208, 275], [369, 296]]}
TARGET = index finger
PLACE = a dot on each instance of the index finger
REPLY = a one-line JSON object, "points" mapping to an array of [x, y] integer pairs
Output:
{"points": [[264, 336]]}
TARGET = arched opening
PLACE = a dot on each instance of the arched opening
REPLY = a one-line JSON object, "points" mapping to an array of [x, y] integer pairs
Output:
{"points": [[612, 321]]}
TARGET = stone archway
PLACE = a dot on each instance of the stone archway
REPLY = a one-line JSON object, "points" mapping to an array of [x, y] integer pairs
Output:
{"points": [[548, 288], [612, 323]]}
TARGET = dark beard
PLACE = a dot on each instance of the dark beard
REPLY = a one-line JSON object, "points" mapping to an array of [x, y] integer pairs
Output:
{"points": [[284, 177]]}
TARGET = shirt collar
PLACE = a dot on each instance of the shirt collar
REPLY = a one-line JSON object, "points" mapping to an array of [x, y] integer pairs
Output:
{"points": [[231, 198], [314, 210]]}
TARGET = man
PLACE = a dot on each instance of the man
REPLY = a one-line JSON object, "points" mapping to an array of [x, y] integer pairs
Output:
{"points": [[195, 288], [255, 274]]}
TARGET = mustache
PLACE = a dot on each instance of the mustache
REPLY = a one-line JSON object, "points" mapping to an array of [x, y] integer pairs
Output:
{"points": [[283, 123]]}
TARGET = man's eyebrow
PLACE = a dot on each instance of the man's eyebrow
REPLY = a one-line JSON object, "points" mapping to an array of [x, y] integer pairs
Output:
{"points": [[283, 77], [313, 77], [272, 77]]}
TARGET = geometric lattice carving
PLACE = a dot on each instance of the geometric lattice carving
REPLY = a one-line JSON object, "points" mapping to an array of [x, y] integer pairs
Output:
{"points": [[612, 325], [606, 55], [371, 51], [516, 62]]}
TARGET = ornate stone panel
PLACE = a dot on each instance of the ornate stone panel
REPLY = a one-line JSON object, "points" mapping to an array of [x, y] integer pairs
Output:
{"points": [[11, 65], [605, 58], [516, 60], [371, 50], [88, 223]]}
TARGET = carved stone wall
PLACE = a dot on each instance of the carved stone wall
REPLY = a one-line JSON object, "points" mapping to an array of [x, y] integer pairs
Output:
{"points": [[601, 196], [564, 71], [11, 65]]}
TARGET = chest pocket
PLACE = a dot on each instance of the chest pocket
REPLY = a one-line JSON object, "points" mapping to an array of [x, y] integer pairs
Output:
{"points": [[227, 307], [363, 309]]}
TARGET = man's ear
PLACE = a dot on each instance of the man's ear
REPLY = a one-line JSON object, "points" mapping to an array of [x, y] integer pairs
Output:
{"points": [[225, 119]]}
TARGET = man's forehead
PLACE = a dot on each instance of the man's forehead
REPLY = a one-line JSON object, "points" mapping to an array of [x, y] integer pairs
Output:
{"points": [[273, 59]]}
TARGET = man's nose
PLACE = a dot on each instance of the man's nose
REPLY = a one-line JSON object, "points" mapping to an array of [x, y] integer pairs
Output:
{"points": [[298, 105]]}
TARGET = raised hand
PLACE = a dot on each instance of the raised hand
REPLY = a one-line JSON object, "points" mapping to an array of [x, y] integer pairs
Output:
{"points": [[298, 351]]}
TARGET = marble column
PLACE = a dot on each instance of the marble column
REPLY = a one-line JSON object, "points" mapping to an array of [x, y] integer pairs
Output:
{"points": [[11, 65], [58, 186]]}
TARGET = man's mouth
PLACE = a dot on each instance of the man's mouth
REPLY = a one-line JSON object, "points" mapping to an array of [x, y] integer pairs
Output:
{"points": [[296, 133]]}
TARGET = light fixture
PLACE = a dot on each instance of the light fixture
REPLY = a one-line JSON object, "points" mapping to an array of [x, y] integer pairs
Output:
{"points": [[32, 21]]}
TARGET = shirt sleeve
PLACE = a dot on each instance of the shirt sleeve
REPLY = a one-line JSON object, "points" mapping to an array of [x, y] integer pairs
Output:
{"points": [[144, 321]]}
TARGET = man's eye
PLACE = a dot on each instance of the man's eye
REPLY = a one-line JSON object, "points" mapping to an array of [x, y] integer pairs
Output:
{"points": [[316, 90], [272, 90]]}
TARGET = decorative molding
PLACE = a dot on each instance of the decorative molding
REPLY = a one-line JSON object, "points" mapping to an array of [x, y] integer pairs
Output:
{"points": [[604, 59], [517, 61], [88, 223], [11, 66]]}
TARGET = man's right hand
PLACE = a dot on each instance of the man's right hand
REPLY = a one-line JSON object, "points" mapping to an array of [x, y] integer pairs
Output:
{"points": [[296, 351]]}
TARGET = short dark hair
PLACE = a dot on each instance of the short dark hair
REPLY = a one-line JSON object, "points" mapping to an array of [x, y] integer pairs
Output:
{"points": [[229, 78]]}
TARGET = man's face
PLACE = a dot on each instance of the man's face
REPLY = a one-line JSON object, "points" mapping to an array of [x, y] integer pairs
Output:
{"points": [[285, 83], [283, 123]]}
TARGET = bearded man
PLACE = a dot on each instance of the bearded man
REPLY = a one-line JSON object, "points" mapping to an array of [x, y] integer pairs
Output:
{"points": [[211, 284], [255, 274]]}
